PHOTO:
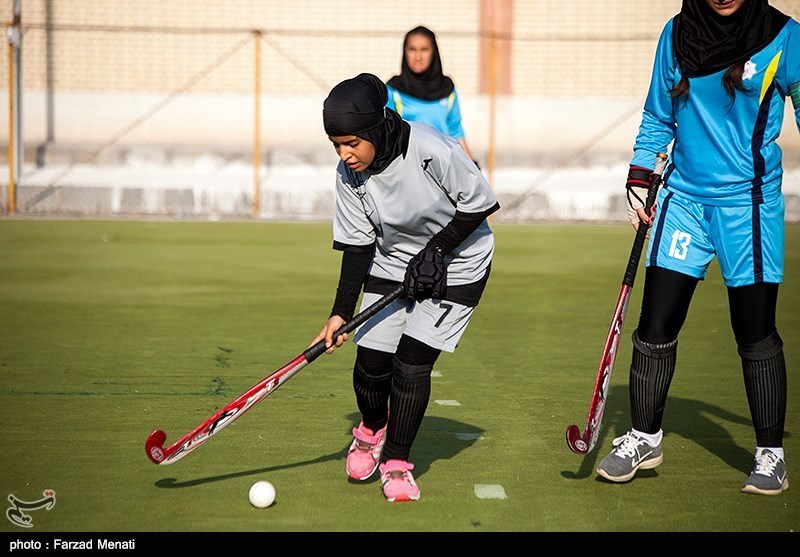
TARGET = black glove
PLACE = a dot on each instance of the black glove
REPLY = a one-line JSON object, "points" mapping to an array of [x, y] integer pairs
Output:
{"points": [[426, 275], [637, 184]]}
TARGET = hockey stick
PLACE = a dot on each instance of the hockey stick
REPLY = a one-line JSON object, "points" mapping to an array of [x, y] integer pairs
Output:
{"points": [[258, 392], [583, 443]]}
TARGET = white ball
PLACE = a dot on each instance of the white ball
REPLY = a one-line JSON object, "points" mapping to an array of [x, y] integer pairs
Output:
{"points": [[262, 494]]}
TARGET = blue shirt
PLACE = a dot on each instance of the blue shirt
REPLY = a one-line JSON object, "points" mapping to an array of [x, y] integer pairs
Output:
{"points": [[443, 114], [725, 151]]}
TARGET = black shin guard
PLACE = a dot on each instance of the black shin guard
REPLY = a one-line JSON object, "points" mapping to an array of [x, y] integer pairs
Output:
{"points": [[372, 383], [411, 391], [652, 368], [764, 369]]}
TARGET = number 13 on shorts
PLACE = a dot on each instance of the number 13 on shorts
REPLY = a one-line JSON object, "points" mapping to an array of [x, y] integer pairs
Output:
{"points": [[680, 245]]}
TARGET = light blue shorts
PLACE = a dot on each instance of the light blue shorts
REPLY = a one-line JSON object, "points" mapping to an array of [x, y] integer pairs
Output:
{"points": [[747, 241]]}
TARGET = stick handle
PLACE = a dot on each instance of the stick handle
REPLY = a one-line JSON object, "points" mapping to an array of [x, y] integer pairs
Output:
{"points": [[641, 231], [319, 348]]}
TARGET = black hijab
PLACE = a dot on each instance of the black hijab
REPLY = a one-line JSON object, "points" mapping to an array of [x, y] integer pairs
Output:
{"points": [[429, 85], [357, 106], [706, 42]]}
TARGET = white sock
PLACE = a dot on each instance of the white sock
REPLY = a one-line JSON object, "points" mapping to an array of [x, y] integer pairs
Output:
{"points": [[778, 451], [653, 439]]}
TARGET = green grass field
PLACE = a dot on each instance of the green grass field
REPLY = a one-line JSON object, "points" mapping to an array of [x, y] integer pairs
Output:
{"points": [[109, 330]]}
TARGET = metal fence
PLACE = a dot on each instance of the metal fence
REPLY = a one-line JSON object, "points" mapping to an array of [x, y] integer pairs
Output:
{"points": [[213, 108]]}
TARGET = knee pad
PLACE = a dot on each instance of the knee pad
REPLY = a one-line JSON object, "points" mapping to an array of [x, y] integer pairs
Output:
{"points": [[761, 350], [411, 373], [657, 351]]}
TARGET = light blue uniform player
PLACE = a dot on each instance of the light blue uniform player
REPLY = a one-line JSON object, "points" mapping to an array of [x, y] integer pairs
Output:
{"points": [[722, 73], [723, 193], [443, 114], [421, 92]]}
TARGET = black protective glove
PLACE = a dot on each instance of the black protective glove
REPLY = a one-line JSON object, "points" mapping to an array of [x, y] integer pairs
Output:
{"points": [[426, 275], [636, 185]]}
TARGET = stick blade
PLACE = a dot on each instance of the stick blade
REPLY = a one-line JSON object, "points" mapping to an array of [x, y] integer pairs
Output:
{"points": [[154, 446], [576, 442]]}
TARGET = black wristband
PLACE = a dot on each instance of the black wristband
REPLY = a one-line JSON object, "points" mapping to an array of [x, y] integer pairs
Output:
{"points": [[638, 176]]}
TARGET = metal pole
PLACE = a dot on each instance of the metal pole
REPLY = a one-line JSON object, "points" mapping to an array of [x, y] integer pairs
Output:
{"points": [[18, 88], [41, 149], [257, 127], [48, 34], [14, 35], [12, 207], [490, 163]]}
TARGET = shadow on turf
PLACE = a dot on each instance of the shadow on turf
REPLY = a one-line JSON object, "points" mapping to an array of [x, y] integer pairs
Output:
{"points": [[438, 439], [684, 417]]}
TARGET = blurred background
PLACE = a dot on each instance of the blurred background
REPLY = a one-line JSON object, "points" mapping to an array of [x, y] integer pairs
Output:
{"points": [[212, 109]]}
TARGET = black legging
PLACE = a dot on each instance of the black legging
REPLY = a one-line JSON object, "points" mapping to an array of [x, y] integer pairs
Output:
{"points": [[668, 294]]}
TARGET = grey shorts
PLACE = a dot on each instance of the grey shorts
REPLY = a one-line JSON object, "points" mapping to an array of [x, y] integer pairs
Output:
{"points": [[438, 323]]}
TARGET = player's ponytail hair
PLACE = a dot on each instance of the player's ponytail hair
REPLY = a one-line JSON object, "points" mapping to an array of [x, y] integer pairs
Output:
{"points": [[681, 90], [731, 80]]}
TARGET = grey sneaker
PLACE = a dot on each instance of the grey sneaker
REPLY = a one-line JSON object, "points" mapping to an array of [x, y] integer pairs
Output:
{"points": [[768, 476], [630, 454]]}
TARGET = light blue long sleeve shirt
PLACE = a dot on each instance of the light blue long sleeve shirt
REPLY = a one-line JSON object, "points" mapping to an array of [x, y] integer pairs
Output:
{"points": [[443, 114], [725, 152]]}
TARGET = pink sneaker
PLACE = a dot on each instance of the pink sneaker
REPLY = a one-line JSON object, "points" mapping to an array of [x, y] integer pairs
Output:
{"points": [[397, 482], [364, 454]]}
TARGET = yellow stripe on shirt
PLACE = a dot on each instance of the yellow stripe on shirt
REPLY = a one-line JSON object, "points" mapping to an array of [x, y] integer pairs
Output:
{"points": [[769, 76]]}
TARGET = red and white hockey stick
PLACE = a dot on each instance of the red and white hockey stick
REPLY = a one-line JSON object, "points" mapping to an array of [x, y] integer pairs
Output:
{"points": [[258, 392], [583, 443]]}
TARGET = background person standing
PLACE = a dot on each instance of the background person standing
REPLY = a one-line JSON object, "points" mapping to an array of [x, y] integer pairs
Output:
{"points": [[421, 92]]}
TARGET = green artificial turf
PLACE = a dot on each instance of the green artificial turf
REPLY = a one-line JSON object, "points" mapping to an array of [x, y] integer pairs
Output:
{"points": [[111, 329]]}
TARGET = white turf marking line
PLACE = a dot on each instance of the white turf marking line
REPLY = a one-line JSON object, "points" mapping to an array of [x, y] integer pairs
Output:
{"points": [[490, 491], [448, 402], [436, 374], [468, 436]]}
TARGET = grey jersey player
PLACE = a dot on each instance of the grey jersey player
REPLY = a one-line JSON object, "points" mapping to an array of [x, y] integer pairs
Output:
{"points": [[411, 209]]}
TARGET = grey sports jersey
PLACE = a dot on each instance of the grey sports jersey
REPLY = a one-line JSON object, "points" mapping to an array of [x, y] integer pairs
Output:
{"points": [[410, 201]]}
